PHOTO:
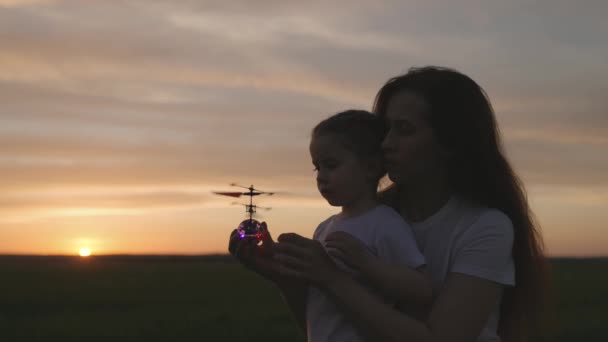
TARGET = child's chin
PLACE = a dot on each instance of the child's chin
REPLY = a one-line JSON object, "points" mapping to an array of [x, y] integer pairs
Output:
{"points": [[333, 202]]}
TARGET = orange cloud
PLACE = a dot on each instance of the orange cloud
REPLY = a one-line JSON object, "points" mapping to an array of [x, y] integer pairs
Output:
{"points": [[22, 3]]}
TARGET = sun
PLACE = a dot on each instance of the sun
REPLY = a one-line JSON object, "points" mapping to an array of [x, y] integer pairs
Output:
{"points": [[85, 252]]}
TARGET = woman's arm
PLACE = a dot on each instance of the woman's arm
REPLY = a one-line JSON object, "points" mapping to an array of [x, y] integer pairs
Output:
{"points": [[295, 294], [406, 287], [458, 314], [259, 259], [294, 291]]}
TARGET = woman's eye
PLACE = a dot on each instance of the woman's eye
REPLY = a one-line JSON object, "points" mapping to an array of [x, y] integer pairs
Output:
{"points": [[403, 128]]}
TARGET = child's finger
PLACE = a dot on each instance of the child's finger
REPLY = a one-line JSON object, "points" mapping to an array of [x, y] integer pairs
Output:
{"points": [[295, 239], [266, 237], [264, 227], [336, 253], [347, 241], [336, 233], [244, 248], [290, 272], [291, 249], [339, 235], [335, 245], [233, 233], [331, 237], [238, 249], [232, 243], [290, 261]]}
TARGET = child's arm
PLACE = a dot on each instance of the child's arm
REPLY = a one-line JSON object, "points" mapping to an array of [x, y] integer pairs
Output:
{"points": [[405, 286]]}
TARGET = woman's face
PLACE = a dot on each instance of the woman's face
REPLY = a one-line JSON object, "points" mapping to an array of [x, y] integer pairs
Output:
{"points": [[412, 153]]}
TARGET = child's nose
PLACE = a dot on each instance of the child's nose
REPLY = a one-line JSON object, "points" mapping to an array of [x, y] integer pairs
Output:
{"points": [[321, 178]]}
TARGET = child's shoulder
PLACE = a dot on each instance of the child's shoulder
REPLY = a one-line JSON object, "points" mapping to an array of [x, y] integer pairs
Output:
{"points": [[327, 221], [322, 227], [385, 221], [387, 215]]}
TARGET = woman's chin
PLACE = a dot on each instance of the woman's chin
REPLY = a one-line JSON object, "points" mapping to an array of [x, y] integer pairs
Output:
{"points": [[393, 176]]}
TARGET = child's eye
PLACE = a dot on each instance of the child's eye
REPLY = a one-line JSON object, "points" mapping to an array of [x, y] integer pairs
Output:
{"points": [[330, 166], [325, 165]]}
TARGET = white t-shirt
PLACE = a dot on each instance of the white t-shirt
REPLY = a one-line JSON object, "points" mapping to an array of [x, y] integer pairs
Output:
{"points": [[472, 240], [387, 236]]}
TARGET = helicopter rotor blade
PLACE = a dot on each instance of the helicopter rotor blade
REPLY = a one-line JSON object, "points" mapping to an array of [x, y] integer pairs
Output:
{"points": [[258, 192], [239, 186], [245, 204], [252, 189], [228, 193]]}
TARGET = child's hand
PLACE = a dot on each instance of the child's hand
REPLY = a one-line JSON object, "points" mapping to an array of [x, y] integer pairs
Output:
{"points": [[304, 259], [348, 249], [256, 257]]}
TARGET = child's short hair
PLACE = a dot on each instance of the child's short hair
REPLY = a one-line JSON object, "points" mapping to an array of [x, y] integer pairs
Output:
{"points": [[359, 131]]}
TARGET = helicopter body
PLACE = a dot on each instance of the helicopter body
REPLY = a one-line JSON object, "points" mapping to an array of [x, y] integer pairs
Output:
{"points": [[249, 227]]}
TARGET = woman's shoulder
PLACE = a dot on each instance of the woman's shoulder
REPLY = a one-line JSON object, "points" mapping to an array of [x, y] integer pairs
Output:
{"points": [[493, 217], [485, 220]]}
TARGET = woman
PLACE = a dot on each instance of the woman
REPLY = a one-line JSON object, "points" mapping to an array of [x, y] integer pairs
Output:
{"points": [[469, 213]]}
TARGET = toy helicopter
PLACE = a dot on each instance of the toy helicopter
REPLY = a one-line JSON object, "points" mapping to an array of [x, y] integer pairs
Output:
{"points": [[249, 227]]}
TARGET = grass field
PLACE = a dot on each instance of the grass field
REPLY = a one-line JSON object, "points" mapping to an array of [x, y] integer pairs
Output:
{"points": [[210, 299]]}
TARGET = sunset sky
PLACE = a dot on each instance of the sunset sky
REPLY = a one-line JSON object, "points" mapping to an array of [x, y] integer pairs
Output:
{"points": [[118, 118]]}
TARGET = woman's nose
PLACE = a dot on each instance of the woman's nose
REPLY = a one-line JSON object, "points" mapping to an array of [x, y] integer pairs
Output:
{"points": [[387, 143]]}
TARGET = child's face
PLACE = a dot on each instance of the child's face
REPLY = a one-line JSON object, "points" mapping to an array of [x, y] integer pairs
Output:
{"points": [[342, 178]]}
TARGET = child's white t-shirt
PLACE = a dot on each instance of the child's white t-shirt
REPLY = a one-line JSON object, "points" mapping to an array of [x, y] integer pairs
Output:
{"points": [[387, 236]]}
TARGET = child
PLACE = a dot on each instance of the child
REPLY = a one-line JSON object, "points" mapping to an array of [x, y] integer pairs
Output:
{"points": [[367, 239]]}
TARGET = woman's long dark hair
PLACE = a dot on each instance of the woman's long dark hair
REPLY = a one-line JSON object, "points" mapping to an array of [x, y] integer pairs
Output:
{"points": [[463, 122]]}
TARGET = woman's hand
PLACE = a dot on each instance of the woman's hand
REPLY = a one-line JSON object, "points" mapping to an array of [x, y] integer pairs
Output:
{"points": [[257, 258], [348, 249], [304, 259]]}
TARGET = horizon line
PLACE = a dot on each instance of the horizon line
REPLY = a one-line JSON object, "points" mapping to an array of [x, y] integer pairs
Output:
{"points": [[222, 255]]}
